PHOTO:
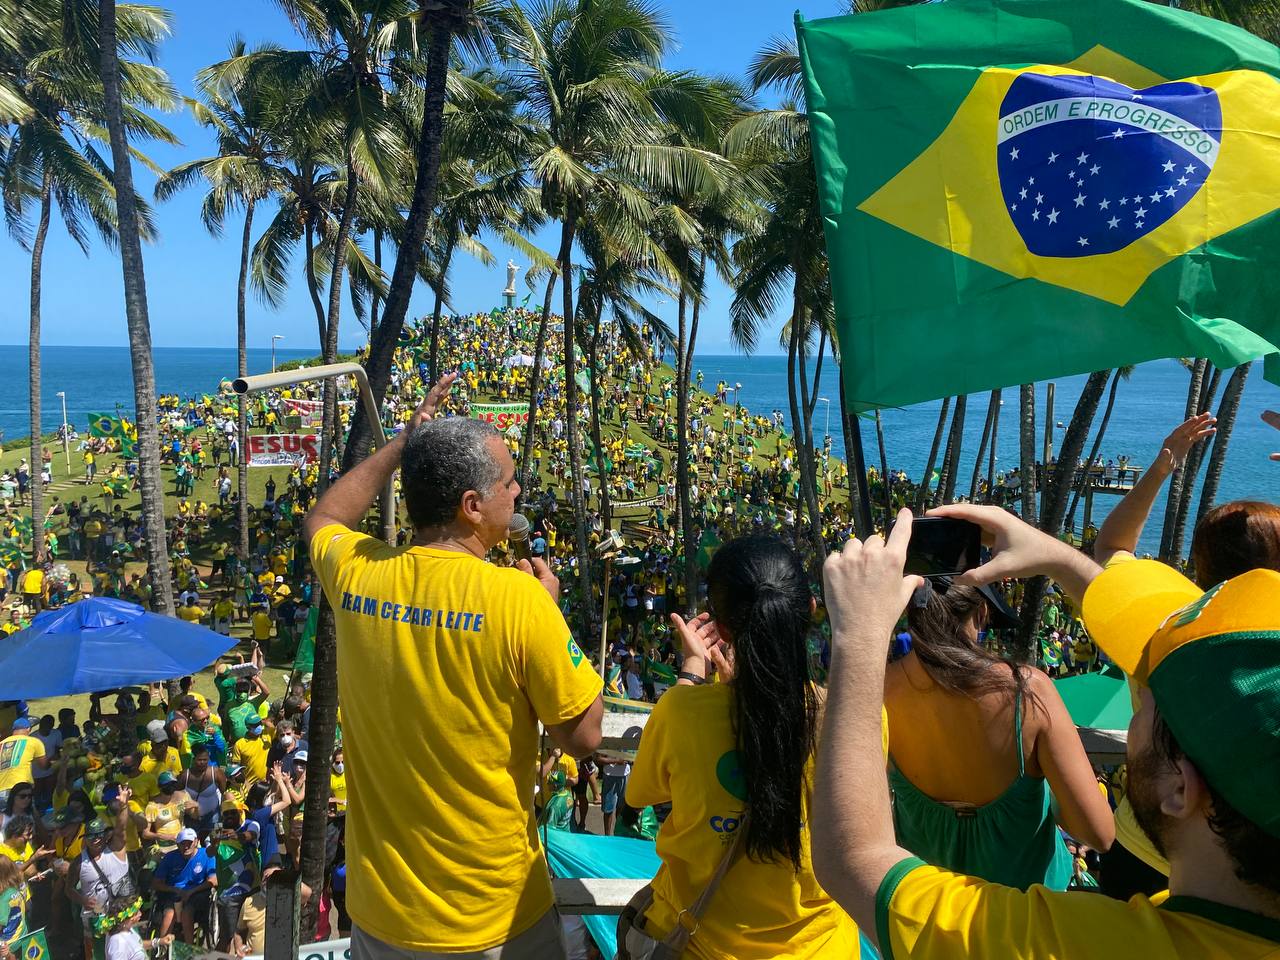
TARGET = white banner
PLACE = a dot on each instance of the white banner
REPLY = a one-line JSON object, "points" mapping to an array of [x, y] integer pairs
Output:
{"points": [[328, 950], [283, 449]]}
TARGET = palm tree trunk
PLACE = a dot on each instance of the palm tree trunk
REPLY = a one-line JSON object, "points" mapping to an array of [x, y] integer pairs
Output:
{"points": [[572, 405], [535, 383], [33, 377], [1179, 476], [382, 347], [313, 284], [135, 304], [992, 406], [593, 350], [375, 301], [884, 458], [1027, 450], [1083, 483], [951, 464], [1195, 457], [922, 494], [688, 540], [242, 367], [1059, 483], [434, 363], [1227, 410], [324, 676], [995, 438]]}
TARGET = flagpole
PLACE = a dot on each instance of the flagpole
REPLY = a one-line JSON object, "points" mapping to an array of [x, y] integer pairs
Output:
{"points": [[862, 509]]}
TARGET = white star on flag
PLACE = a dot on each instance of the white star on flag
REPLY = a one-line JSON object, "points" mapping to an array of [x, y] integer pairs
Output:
{"points": [[1022, 194], [1113, 222], [1039, 199], [1083, 158], [1094, 170], [1182, 181], [1168, 166], [1083, 242], [1053, 158], [1080, 198], [1053, 216], [1013, 154], [1119, 132], [1190, 168], [1137, 199], [1035, 214], [1124, 201], [1104, 204], [1140, 213], [1170, 192], [1155, 197]]}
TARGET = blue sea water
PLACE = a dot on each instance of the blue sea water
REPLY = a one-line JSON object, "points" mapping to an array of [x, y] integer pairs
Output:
{"points": [[100, 379]]}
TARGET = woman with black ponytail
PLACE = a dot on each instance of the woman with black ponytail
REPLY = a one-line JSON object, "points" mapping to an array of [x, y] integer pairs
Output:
{"points": [[734, 758]]}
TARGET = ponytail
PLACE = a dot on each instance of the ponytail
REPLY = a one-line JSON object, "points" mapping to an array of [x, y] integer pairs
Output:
{"points": [[758, 589]]}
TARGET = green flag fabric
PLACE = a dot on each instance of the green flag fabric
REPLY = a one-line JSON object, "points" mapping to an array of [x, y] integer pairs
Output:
{"points": [[33, 946], [1067, 187], [105, 425]]}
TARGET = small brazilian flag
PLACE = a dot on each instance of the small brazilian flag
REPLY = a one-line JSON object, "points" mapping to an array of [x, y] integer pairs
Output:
{"points": [[105, 425], [33, 946], [1014, 190]]}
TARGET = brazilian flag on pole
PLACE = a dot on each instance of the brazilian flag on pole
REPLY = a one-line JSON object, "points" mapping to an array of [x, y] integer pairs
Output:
{"points": [[105, 425], [33, 946], [1021, 189]]}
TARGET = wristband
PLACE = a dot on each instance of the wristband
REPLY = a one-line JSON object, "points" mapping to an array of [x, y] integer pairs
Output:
{"points": [[691, 677]]}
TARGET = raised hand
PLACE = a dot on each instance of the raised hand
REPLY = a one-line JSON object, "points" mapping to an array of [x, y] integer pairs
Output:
{"points": [[1176, 446], [865, 582], [435, 396]]}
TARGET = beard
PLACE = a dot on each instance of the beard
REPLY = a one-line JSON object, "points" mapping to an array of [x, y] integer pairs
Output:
{"points": [[1144, 769]]}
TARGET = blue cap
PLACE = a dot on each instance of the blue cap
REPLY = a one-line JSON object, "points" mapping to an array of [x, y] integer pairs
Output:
{"points": [[22, 722]]}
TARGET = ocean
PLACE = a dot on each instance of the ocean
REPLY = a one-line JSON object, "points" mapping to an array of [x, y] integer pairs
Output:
{"points": [[1148, 405]]}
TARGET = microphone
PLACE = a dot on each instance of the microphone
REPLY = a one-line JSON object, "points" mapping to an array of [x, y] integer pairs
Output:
{"points": [[518, 537]]}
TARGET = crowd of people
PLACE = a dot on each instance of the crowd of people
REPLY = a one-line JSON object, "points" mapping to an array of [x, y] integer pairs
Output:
{"points": [[167, 814]]}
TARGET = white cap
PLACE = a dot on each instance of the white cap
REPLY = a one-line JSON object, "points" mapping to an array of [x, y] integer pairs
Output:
{"points": [[300, 757], [187, 834]]}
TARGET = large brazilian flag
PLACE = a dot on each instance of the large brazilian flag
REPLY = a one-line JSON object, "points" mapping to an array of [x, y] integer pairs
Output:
{"points": [[1020, 189], [105, 425]]}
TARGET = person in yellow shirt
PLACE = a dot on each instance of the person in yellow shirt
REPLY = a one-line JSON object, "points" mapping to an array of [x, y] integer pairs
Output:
{"points": [[262, 624], [159, 756], [338, 785], [190, 611], [735, 760], [434, 622], [19, 753], [223, 608], [1203, 762], [251, 750]]}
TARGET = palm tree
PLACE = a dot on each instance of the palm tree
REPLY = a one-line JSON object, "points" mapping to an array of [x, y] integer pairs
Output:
{"points": [[1027, 450], [993, 412], [1059, 481], [244, 172], [946, 491], [51, 156], [589, 73], [922, 495], [130, 218], [1121, 373], [442, 20], [1228, 407]]}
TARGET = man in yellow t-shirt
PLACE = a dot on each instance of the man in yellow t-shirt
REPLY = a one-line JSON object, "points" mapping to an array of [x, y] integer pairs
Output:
{"points": [[19, 753], [433, 622], [1203, 763], [190, 611], [261, 625], [251, 750], [159, 756]]}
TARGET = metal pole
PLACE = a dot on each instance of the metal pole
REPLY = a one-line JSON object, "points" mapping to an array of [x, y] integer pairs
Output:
{"points": [[287, 378], [66, 451], [604, 625]]}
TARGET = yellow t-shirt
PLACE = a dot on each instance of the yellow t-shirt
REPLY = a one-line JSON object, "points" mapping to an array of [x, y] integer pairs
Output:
{"points": [[488, 647], [261, 626], [33, 581], [17, 754], [223, 609], [153, 767], [761, 910], [924, 911], [166, 818], [338, 790], [191, 614], [251, 753], [143, 787]]}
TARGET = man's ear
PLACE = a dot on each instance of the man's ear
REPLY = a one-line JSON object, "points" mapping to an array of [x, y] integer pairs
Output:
{"points": [[1186, 794], [470, 506]]}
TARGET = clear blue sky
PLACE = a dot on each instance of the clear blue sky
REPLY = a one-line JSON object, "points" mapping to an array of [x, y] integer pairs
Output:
{"points": [[191, 276]]}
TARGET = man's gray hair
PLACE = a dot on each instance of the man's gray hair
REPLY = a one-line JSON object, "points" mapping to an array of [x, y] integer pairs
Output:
{"points": [[443, 459]]}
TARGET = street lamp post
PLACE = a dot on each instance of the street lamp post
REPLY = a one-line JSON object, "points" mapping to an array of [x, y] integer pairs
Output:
{"points": [[66, 451], [826, 432], [274, 338]]}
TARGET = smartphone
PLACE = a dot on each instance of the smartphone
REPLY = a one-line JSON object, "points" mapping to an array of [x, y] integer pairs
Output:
{"points": [[943, 546]]}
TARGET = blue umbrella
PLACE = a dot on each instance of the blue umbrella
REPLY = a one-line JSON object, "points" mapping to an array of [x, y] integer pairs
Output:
{"points": [[99, 644]]}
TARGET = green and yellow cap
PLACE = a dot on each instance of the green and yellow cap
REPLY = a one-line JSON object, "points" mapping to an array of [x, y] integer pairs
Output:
{"points": [[1212, 661]]}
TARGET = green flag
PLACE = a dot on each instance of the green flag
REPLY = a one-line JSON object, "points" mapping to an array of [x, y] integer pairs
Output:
{"points": [[305, 660], [1067, 187], [33, 946], [105, 425]]}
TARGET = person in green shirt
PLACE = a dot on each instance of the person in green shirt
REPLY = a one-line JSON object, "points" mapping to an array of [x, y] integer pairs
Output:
{"points": [[250, 694], [557, 811], [636, 823]]}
